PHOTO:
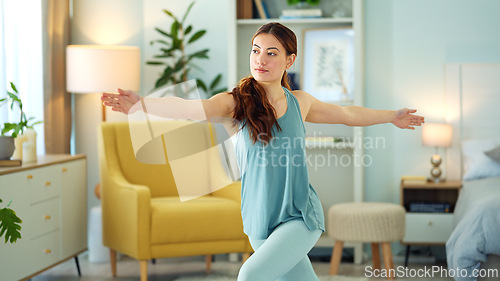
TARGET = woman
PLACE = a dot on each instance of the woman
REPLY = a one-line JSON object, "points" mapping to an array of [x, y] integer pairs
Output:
{"points": [[281, 212]]}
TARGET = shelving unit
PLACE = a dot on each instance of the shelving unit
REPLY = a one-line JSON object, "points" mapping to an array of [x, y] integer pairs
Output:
{"points": [[341, 181]]}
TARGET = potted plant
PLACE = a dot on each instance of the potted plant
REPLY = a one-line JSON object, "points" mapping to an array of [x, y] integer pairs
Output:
{"points": [[302, 3], [10, 131], [174, 49]]}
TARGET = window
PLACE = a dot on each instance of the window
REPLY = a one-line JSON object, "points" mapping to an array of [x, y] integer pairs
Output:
{"points": [[21, 60]]}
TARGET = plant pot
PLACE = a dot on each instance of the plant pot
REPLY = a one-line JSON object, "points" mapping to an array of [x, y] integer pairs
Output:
{"points": [[6, 147]]}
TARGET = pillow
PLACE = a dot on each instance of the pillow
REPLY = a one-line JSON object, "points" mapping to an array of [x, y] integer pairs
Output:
{"points": [[494, 154], [476, 164]]}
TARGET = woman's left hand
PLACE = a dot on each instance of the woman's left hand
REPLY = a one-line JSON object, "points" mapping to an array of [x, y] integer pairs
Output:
{"points": [[404, 119]]}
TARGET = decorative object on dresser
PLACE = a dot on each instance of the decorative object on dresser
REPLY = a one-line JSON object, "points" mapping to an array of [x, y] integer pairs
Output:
{"points": [[50, 197], [429, 206], [436, 135], [23, 134]]}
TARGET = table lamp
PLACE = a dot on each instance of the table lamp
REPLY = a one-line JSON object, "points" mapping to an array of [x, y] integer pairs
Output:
{"points": [[99, 68], [436, 135]]}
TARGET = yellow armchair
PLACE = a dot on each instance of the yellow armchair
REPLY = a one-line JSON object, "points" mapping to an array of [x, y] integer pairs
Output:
{"points": [[142, 214]]}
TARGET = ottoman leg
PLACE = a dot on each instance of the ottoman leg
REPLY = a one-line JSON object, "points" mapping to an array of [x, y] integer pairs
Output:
{"points": [[388, 264], [336, 256], [375, 256]]}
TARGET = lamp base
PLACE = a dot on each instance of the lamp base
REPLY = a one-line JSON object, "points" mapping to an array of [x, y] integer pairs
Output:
{"points": [[435, 171]]}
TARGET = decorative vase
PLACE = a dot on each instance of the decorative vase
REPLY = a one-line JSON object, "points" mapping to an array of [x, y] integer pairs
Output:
{"points": [[18, 152], [6, 147], [29, 146]]}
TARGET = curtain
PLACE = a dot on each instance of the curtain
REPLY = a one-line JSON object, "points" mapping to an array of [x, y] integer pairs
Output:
{"points": [[57, 102], [21, 61]]}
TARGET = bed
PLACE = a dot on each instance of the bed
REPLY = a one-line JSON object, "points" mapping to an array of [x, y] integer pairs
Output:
{"points": [[473, 99]]}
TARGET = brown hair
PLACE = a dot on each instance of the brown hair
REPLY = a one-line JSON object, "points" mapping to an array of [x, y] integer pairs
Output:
{"points": [[252, 105]]}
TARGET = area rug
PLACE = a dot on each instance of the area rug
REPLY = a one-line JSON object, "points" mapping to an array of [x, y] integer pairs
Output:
{"points": [[226, 278]]}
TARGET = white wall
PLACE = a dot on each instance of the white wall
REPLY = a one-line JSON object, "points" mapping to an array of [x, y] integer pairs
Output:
{"points": [[406, 47]]}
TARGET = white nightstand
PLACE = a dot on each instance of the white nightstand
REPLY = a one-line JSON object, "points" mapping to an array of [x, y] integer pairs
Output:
{"points": [[427, 221]]}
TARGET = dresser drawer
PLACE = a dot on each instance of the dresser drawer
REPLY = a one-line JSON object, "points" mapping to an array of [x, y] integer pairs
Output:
{"points": [[428, 228], [45, 217], [43, 183], [45, 249]]}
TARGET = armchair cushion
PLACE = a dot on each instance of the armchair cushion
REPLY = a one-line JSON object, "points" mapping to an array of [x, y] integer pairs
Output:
{"points": [[199, 220]]}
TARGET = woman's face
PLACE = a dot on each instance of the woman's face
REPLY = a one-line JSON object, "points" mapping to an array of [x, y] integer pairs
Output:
{"points": [[268, 59]]}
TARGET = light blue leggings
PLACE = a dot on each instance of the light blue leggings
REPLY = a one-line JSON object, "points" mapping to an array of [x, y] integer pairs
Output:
{"points": [[283, 255]]}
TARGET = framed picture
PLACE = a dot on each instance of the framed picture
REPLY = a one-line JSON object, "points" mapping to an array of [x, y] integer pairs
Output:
{"points": [[328, 64]]}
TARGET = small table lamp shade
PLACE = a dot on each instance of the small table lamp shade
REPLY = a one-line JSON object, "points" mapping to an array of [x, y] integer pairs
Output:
{"points": [[95, 68], [437, 135]]}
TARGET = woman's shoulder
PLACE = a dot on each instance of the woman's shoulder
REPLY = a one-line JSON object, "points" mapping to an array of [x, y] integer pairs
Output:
{"points": [[224, 103], [302, 96]]}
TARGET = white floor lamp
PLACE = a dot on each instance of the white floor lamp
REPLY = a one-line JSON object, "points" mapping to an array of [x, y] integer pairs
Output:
{"points": [[93, 69]]}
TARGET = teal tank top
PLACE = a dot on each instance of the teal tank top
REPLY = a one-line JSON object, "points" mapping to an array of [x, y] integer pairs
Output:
{"points": [[275, 184]]}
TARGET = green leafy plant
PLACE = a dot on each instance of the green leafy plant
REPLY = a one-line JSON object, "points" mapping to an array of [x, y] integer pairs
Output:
{"points": [[10, 224], [175, 57], [16, 128], [310, 2]]}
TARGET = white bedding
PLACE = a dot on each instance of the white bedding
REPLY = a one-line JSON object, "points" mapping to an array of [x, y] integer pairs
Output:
{"points": [[477, 226], [473, 191]]}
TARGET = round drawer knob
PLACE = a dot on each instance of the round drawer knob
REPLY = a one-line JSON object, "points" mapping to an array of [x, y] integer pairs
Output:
{"points": [[430, 223], [48, 251], [64, 169], [29, 176], [47, 217], [47, 183]]}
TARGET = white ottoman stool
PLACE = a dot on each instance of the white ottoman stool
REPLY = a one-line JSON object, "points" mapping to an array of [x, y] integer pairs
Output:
{"points": [[366, 222]]}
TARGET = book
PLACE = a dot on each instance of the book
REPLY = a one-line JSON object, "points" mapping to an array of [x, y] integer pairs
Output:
{"points": [[290, 18], [245, 9], [427, 207], [302, 13], [10, 163], [260, 8]]}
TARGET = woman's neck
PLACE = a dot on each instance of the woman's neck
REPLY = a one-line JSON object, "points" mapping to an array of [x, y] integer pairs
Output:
{"points": [[274, 91]]}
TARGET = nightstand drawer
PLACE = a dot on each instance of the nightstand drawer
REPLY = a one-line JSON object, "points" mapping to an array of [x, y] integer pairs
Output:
{"points": [[428, 228]]}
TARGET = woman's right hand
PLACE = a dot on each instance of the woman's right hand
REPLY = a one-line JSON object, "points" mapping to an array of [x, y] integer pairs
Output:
{"points": [[123, 102]]}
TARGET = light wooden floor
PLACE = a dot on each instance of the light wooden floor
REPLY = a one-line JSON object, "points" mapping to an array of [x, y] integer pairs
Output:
{"points": [[170, 269]]}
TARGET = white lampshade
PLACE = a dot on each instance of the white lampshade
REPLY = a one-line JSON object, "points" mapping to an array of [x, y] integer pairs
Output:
{"points": [[95, 68], [437, 134]]}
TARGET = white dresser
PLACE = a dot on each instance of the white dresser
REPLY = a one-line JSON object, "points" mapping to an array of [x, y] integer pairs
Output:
{"points": [[50, 198]]}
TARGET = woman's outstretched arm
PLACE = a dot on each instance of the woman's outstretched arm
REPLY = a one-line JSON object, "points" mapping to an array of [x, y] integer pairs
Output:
{"points": [[321, 112], [127, 102]]}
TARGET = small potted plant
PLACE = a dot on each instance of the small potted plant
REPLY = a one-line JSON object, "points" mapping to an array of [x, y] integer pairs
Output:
{"points": [[301, 4], [11, 131]]}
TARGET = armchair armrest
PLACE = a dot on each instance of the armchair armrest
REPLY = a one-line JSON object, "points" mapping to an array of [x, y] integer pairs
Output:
{"points": [[126, 215]]}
